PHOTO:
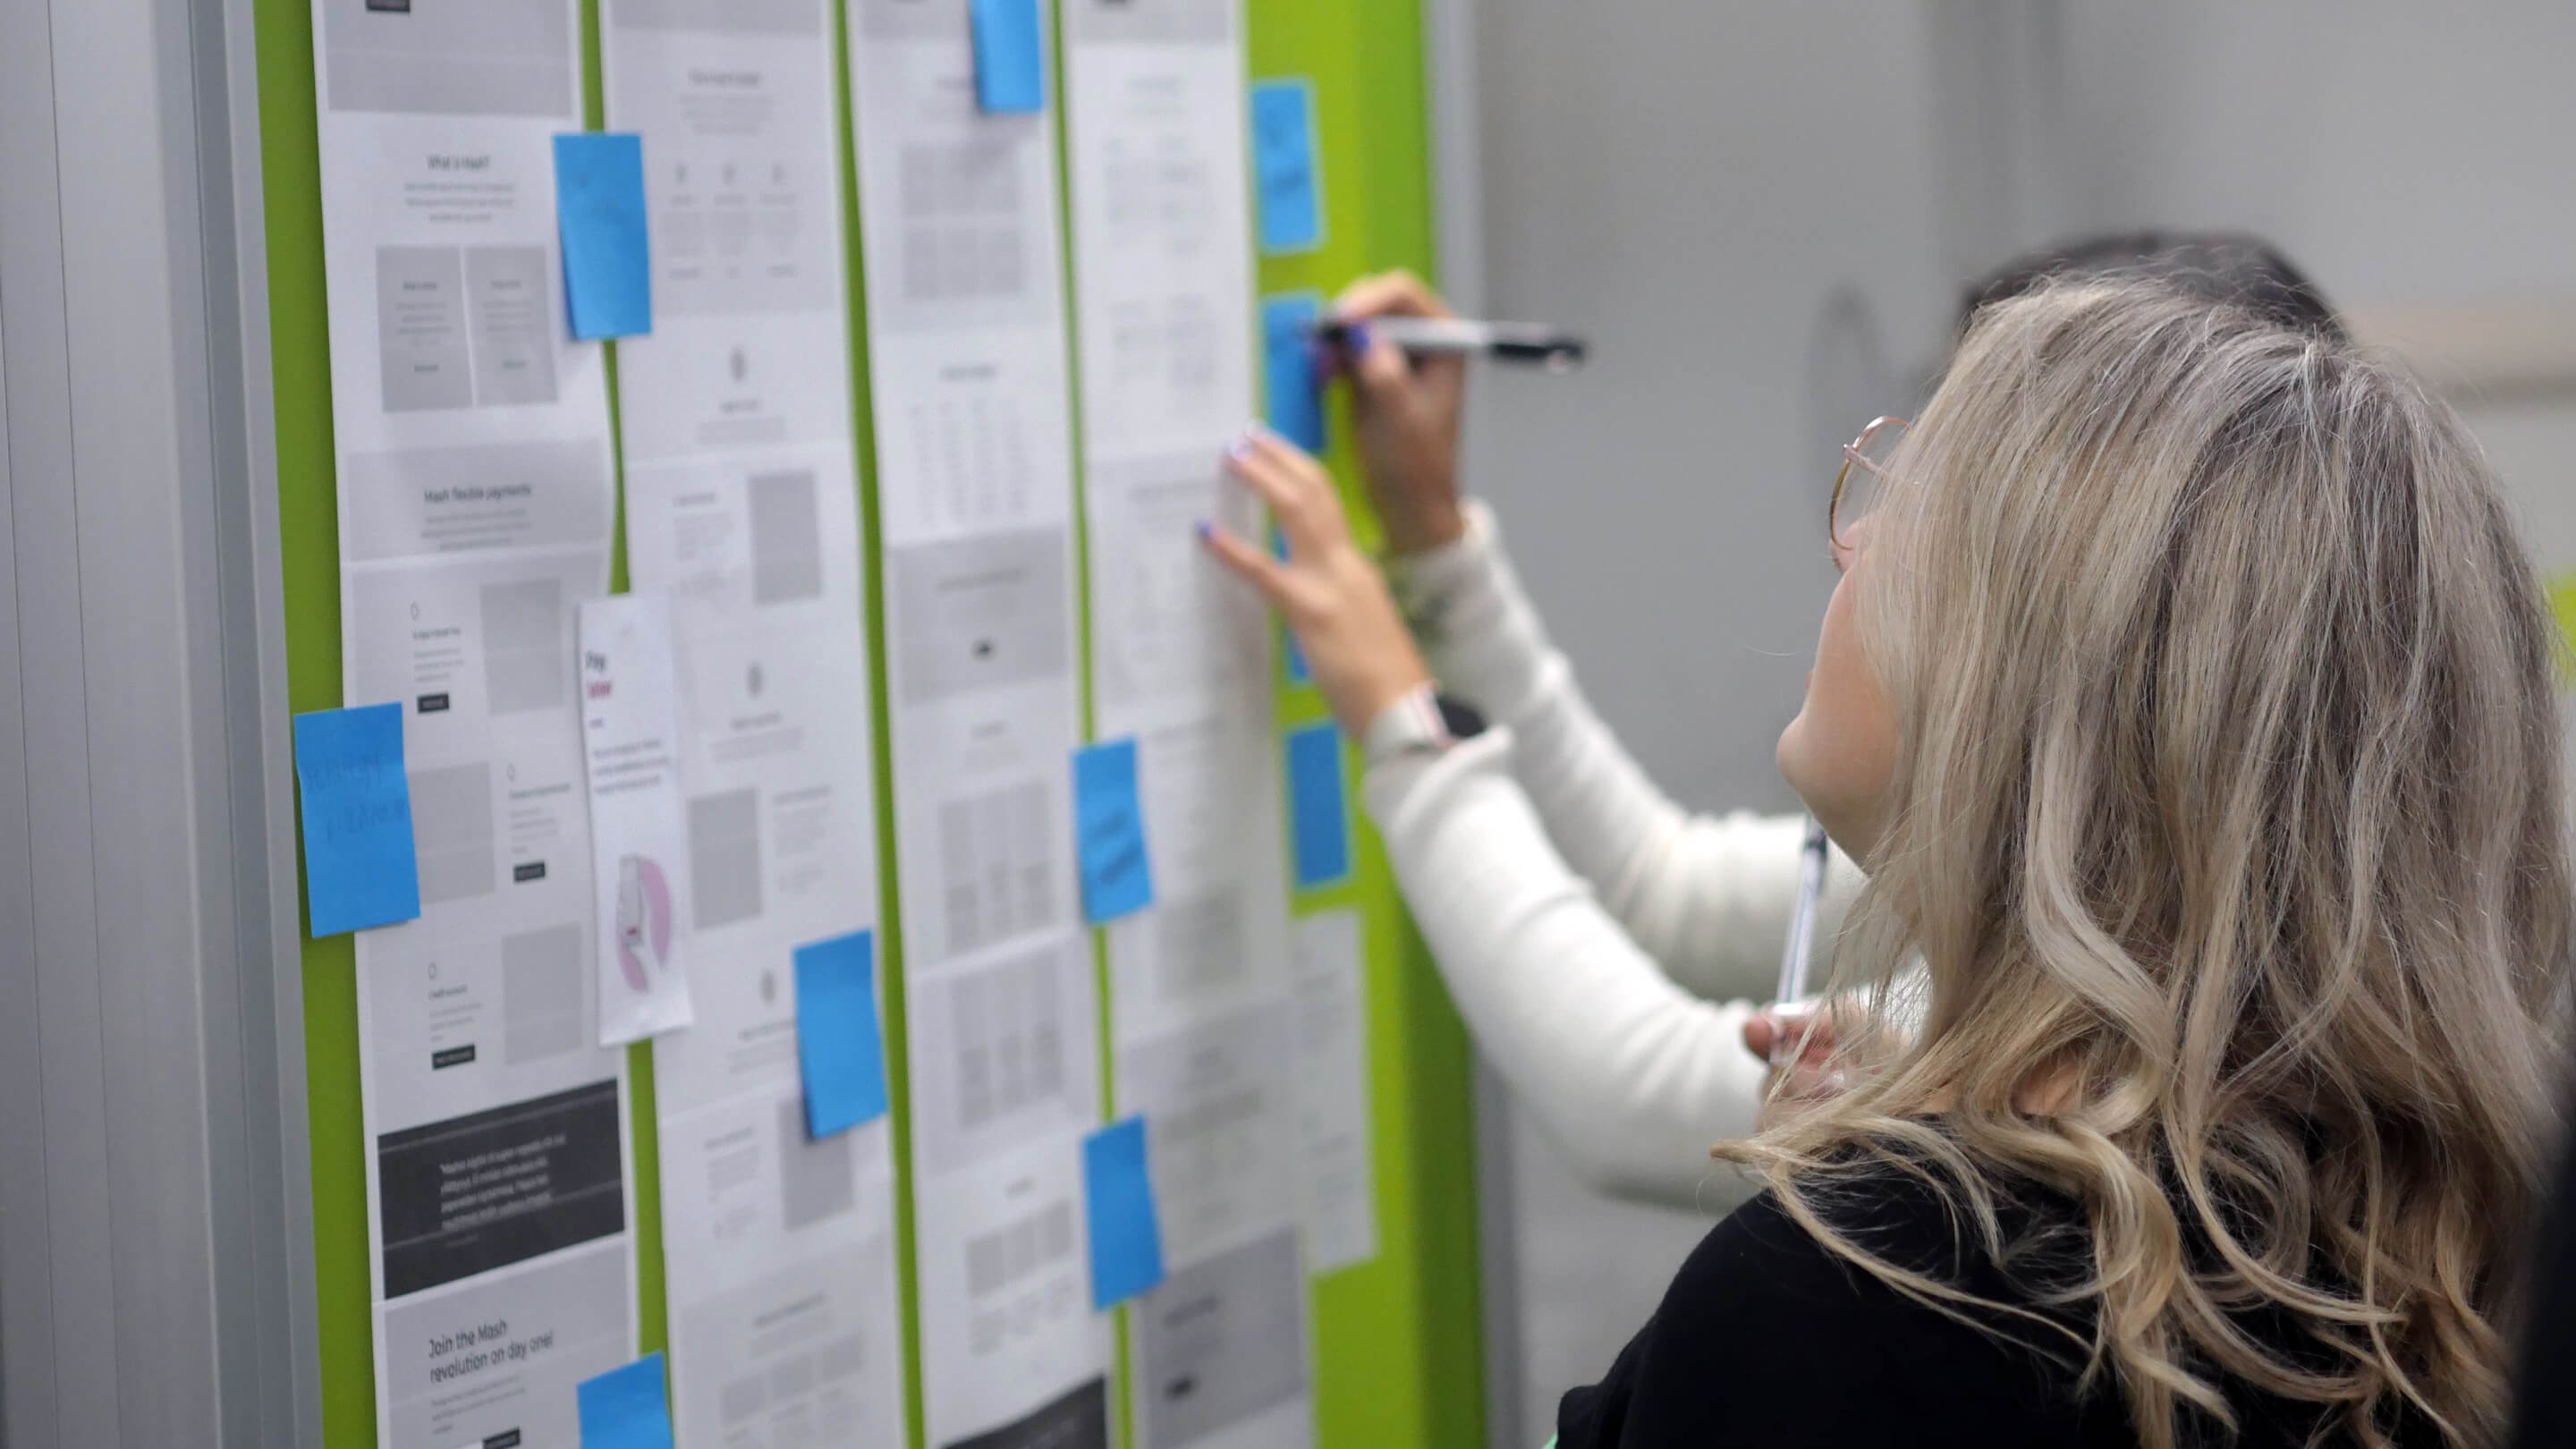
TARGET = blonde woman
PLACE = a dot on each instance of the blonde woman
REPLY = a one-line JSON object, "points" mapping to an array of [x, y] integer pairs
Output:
{"points": [[2187, 696]]}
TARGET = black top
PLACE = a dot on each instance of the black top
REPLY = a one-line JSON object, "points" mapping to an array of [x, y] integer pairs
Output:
{"points": [[2545, 1400], [1767, 1339]]}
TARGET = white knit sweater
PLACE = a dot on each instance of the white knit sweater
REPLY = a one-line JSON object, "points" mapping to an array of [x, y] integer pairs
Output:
{"points": [[1588, 928]]}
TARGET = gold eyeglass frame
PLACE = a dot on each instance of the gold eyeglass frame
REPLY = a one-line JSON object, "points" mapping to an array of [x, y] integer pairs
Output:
{"points": [[1856, 452]]}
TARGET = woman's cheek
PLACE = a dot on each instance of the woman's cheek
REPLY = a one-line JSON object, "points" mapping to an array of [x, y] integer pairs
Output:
{"points": [[1839, 754]]}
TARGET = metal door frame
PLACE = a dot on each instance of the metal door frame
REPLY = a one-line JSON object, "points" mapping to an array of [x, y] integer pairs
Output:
{"points": [[156, 1267]]}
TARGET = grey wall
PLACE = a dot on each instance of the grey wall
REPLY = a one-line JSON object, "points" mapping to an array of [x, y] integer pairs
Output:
{"points": [[1692, 192], [2413, 157], [1742, 205], [2401, 151], [1706, 188]]}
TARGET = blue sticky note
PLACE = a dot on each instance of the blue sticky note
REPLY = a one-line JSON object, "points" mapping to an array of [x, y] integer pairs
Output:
{"points": [[1109, 831], [838, 1042], [1319, 821], [624, 1407], [1290, 650], [1285, 169], [1126, 1239], [1010, 56], [1288, 350], [599, 200], [359, 865]]}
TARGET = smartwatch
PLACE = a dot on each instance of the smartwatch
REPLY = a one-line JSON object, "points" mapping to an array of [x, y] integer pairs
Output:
{"points": [[1422, 722]]}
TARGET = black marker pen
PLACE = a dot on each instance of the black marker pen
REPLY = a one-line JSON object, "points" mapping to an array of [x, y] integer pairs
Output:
{"points": [[1517, 342]]}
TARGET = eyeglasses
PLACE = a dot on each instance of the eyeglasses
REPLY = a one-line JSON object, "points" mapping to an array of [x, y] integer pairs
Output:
{"points": [[1856, 487]]}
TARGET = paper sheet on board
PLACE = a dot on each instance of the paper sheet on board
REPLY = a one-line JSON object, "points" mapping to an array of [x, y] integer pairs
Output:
{"points": [[471, 444], [631, 739], [742, 506], [1200, 1009], [1337, 1174], [967, 347]]}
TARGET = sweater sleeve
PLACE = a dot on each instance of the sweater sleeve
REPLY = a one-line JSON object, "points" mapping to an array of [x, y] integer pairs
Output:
{"points": [[1633, 1077], [1707, 897]]}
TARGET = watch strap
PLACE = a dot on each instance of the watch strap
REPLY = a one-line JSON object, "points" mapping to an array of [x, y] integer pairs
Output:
{"points": [[1413, 725]]}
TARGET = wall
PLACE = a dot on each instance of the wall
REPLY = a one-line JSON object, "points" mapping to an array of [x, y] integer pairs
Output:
{"points": [[1696, 185], [2412, 157], [1740, 206]]}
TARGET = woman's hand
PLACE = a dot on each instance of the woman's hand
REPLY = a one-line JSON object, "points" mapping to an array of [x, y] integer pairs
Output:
{"points": [[1355, 641], [1407, 414], [1827, 1037], [1773, 1034]]}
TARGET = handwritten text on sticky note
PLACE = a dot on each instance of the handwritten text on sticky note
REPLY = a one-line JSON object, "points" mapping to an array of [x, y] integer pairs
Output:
{"points": [[1285, 170], [1109, 831], [360, 868]]}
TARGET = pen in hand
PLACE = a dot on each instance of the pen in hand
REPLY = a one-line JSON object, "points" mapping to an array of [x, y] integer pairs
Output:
{"points": [[1527, 343], [1812, 855]]}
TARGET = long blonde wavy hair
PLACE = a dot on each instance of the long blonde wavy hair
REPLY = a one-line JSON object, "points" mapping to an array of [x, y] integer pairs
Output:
{"points": [[2226, 826]]}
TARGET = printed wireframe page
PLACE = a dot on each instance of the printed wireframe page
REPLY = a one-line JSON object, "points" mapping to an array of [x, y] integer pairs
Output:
{"points": [[1201, 1003], [742, 492], [475, 498], [967, 347]]}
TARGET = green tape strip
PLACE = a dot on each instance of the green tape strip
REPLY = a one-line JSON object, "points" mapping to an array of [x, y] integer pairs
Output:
{"points": [[890, 940], [1398, 1358], [652, 1295], [1121, 1396]]}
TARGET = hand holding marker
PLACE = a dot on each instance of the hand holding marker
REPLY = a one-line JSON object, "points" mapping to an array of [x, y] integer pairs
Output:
{"points": [[1527, 343]]}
